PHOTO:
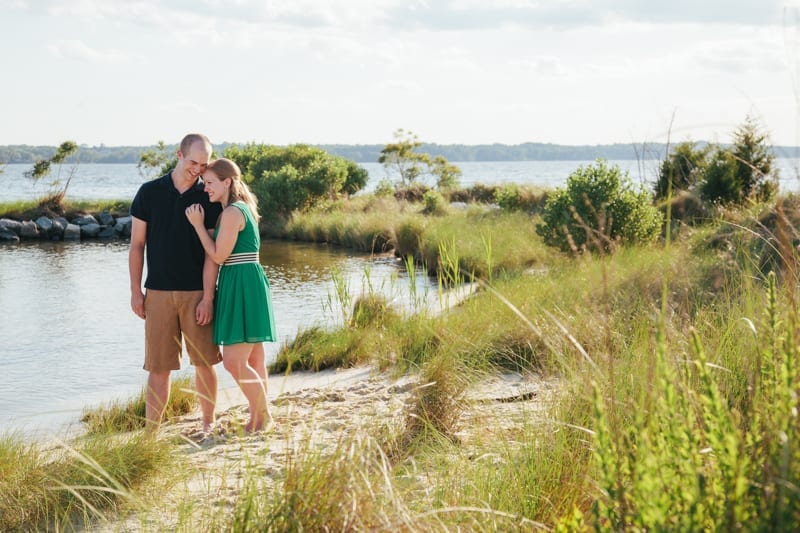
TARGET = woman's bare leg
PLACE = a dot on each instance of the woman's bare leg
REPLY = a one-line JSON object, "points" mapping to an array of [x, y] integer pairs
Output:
{"points": [[236, 359]]}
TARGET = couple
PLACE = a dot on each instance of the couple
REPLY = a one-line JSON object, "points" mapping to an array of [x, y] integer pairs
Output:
{"points": [[198, 226]]}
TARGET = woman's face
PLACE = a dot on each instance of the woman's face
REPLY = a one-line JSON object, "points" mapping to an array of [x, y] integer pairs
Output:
{"points": [[216, 189]]}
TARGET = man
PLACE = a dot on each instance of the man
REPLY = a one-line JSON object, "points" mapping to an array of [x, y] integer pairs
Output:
{"points": [[179, 301]]}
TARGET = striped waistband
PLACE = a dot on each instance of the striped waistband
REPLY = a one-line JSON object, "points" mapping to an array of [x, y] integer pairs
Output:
{"points": [[241, 259]]}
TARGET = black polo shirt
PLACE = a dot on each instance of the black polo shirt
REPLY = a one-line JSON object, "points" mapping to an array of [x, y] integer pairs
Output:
{"points": [[174, 253]]}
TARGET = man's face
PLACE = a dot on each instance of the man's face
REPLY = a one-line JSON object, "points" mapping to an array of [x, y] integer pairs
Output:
{"points": [[195, 161]]}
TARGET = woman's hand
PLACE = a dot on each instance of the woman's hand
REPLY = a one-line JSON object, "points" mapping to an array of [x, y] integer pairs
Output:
{"points": [[196, 215]]}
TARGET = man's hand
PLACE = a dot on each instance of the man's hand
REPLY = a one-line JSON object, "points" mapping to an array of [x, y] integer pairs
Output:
{"points": [[205, 312], [137, 303]]}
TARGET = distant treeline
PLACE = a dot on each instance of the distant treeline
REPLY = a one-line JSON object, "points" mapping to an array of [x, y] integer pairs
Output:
{"points": [[369, 153]]}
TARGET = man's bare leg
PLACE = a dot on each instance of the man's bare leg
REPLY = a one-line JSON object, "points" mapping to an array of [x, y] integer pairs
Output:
{"points": [[156, 398], [205, 379]]}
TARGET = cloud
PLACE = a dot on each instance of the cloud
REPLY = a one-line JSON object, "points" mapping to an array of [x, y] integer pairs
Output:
{"points": [[565, 14], [739, 57], [79, 51]]}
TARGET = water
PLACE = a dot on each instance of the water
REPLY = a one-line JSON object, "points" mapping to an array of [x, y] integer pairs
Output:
{"points": [[114, 182], [70, 340]]}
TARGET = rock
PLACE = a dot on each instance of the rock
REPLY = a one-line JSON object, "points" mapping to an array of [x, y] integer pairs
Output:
{"points": [[106, 233], [90, 230], [10, 225], [106, 219], [123, 226], [45, 225], [82, 220], [57, 231], [29, 230], [8, 236], [72, 232]]}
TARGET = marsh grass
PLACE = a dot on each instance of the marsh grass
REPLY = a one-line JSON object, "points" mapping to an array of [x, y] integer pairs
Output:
{"points": [[374, 224], [129, 415], [70, 486], [676, 408], [32, 209]]}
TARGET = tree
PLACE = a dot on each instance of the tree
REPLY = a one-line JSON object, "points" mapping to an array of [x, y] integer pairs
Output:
{"points": [[295, 177], [156, 161], [43, 167], [744, 171], [598, 209], [401, 157]]}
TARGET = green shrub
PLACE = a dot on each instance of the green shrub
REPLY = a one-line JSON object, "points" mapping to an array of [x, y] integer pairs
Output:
{"points": [[384, 188], [681, 170], [508, 197], [598, 208], [433, 202], [295, 177], [742, 172]]}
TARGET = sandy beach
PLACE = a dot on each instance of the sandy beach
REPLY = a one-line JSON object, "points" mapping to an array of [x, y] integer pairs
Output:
{"points": [[318, 411]]}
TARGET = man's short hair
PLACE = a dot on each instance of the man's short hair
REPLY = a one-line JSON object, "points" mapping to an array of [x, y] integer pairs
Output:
{"points": [[190, 139]]}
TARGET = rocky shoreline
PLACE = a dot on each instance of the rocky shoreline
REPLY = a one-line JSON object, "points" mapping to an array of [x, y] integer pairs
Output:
{"points": [[81, 227]]}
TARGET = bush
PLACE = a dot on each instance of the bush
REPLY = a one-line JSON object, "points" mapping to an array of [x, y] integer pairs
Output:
{"points": [[433, 202], [384, 188], [508, 197], [598, 208], [742, 172], [295, 177], [681, 170]]}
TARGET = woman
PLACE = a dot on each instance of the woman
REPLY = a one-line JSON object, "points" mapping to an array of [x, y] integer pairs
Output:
{"points": [[243, 317]]}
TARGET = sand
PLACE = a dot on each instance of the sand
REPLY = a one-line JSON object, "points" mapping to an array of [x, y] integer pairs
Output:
{"points": [[314, 412]]}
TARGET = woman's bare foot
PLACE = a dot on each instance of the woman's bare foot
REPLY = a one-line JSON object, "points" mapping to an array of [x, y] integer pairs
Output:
{"points": [[258, 425]]}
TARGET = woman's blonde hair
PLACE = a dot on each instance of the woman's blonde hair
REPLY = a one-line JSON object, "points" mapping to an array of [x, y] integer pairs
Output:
{"points": [[225, 168]]}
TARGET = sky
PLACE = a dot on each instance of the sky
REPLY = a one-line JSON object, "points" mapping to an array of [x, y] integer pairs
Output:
{"points": [[135, 72]]}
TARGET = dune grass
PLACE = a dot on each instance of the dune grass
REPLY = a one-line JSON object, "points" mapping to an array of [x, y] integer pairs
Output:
{"points": [[70, 486], [129, 415], [679, 380], [32, 209], [676, 406]]}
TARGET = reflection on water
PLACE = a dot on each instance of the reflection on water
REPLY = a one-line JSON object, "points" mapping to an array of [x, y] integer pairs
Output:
{"points": [[69, 339]]}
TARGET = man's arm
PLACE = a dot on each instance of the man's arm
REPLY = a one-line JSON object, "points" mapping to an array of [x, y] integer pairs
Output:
{"points": [[136, 264], [205, 309]]}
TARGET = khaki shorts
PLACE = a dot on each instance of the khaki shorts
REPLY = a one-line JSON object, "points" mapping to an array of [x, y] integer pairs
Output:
{"points": [[168, 315]]}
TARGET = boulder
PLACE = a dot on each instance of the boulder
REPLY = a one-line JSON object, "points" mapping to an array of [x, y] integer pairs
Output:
{"points": [[82, 220], [123, 226], [44, 224], [106, 233], [10, 225], [106, 219], [90, 230], [72, 232], [29, 230], [57, 231], [8, 236]]}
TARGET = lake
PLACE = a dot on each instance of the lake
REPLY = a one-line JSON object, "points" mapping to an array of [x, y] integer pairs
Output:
{"points": [[70, 339], [111, 182]]}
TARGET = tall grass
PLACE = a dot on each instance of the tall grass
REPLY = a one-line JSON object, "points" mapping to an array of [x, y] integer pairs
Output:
{"points": [[72, 486], [128, 415]]}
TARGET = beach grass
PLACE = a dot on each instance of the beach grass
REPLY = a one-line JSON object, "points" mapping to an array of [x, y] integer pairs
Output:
{"points": [[129, 414], [674, 406], [33, 209], [67, 486]]}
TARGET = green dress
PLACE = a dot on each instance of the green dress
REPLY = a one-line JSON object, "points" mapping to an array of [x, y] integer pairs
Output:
{"points": [[243, 304]]}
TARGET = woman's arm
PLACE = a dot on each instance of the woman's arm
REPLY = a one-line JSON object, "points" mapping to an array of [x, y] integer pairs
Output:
{"points": [[231, 221]]}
